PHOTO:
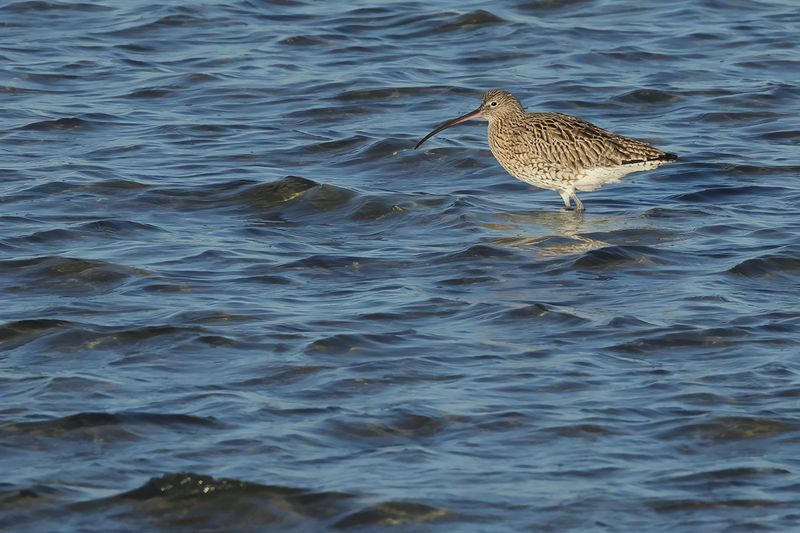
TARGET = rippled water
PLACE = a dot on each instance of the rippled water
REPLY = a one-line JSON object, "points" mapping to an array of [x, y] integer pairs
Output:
{"points": [[235, 298]]}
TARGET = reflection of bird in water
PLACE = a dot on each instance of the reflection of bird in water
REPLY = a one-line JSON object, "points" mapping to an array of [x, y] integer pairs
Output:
{"points": [[565, 238], [555, 151]]}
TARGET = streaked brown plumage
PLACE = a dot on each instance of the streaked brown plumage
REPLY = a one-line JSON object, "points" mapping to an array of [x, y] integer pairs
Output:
{"points": [[556, 151]]}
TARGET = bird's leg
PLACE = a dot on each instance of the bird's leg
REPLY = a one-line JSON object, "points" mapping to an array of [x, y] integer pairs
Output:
{"points": [[578, 203], [565, 196]]}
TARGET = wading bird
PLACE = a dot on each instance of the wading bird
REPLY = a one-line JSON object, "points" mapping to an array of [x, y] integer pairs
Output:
{"points": [[558, 152]]}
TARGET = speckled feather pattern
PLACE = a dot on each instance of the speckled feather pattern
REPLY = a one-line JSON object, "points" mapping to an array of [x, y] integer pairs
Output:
{"points": [[556, 151]]}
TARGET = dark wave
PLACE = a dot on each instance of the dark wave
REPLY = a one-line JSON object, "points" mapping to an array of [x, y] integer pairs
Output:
{"points": [[61, 124], [477, 252], [685, 338], [356, 344], [279, 192], [64, 336], [287, 199], [716, 194], [117, 227], [623, 256], [178, 19], [18, 331], [649, 96], [68, 274], [110, 229], [734, 429], [740, 116], [712, 479], [302, 40], [711, 504], [470, 20], [294, 197], [769, 265], [83, 421], [552, 5], [182, 500], [788, 137], [35, 6], [153, 92], [383, 94], [539, 312], [400, 426]]}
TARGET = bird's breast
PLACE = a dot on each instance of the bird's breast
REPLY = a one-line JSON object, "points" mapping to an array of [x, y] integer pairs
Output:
{"points": [[514, 146]]}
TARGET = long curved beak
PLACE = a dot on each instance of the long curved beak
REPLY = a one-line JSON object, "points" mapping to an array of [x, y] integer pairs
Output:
{"points": [[472, 114]]}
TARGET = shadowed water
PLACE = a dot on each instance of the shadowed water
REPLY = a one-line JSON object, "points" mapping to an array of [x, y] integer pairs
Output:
{"points": [[235, 298]]}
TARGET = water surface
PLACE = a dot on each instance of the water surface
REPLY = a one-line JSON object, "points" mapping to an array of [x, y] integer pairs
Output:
{"points": [[235, 298]]}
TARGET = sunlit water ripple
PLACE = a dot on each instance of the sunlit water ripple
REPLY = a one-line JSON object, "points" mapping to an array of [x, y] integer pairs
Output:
{"points": [[235, 298]]}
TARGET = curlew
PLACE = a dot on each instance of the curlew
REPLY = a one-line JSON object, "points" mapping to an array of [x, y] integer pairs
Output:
{"points": [[558, 152]]}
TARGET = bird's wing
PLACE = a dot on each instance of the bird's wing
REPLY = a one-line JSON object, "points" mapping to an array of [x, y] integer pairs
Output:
{"points": [[580, 144]]}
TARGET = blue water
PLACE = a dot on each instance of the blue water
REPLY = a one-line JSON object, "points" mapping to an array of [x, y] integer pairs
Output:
{"points": [[235, 298]]}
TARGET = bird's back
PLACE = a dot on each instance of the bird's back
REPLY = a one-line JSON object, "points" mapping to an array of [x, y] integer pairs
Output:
{"points": [[546, 149]]}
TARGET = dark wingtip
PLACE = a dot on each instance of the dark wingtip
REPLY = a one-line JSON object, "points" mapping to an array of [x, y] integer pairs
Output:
{"points": [[666, 157]]}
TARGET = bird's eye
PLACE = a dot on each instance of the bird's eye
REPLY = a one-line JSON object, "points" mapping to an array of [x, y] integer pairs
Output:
{"points": [[493, 104]]}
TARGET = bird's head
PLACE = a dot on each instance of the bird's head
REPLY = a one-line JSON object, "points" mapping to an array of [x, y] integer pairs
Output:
{"points": [[497, 104]]}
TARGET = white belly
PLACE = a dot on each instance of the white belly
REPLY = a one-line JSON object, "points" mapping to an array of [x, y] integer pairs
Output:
{"points": [[594, 178], [581, 180]]}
